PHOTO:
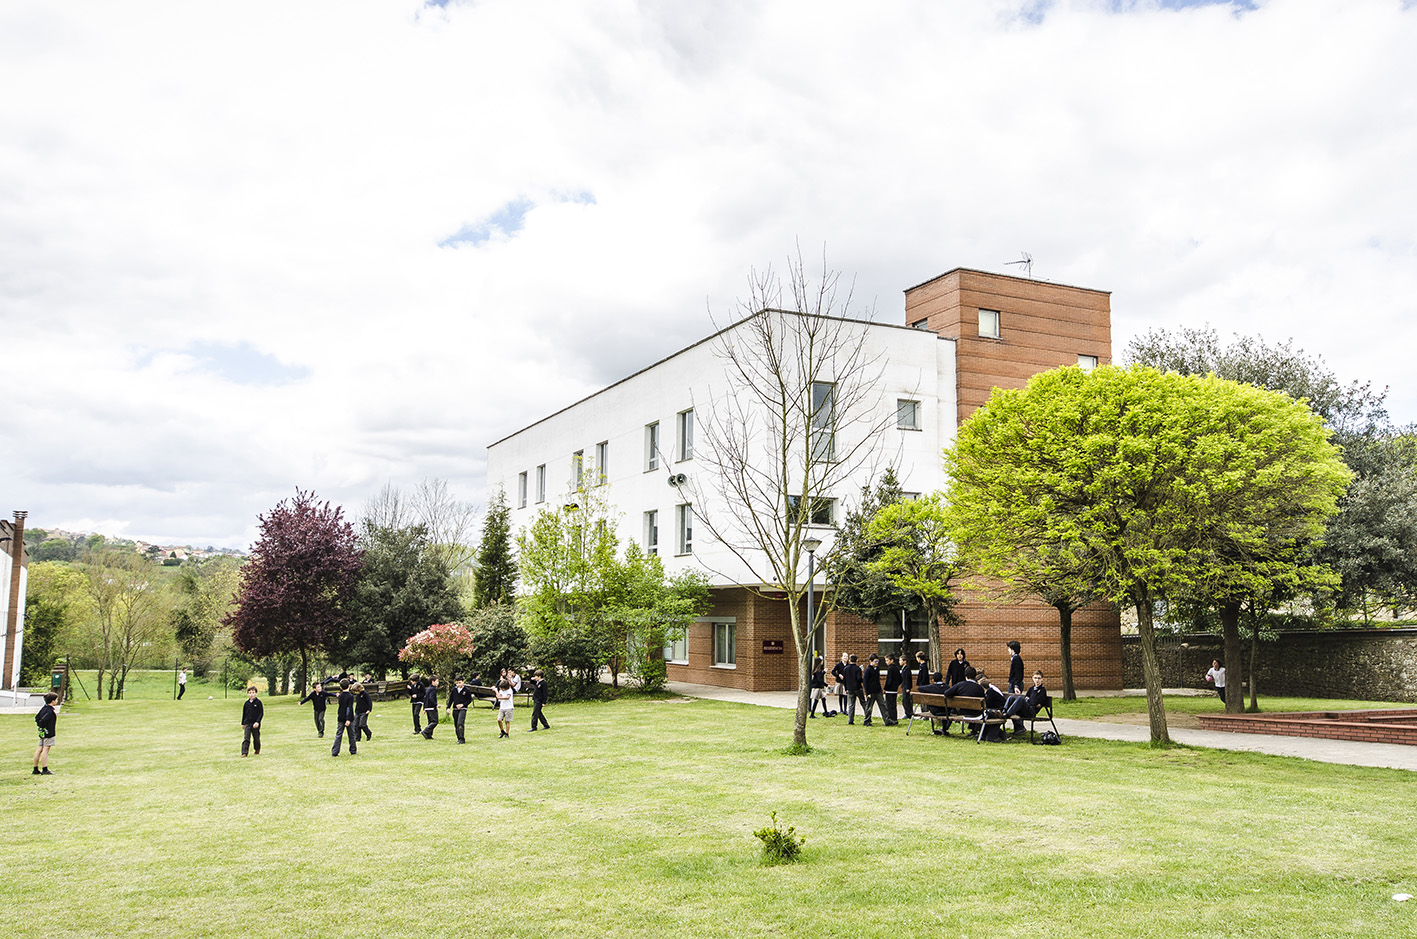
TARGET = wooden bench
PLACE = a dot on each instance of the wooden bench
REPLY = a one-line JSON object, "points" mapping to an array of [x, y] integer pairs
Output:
{"points": [[964, 710], [489, 694]]}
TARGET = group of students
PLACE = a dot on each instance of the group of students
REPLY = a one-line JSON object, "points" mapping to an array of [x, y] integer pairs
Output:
{"points": [[855, 685], [353, 704]]}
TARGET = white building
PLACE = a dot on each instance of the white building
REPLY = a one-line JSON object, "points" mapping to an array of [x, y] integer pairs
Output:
{"points": [[639, 436]]}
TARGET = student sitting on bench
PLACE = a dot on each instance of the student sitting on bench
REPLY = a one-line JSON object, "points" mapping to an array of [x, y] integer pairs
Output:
{"points": [[1024, 707]]}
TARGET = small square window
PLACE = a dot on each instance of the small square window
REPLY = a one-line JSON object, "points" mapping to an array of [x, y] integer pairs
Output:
{"points": [[521, 490], [676, 646], [823, 512], [1087, 362], [907, 414], [989, 324], [921, 324]]}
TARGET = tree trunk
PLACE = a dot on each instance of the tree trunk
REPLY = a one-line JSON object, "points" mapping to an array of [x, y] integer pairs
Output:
{"points": [[1065, 633], [802, 639], [303, 676], [1254, 660], [1234, 664], [1151, 669], [937, 661]]}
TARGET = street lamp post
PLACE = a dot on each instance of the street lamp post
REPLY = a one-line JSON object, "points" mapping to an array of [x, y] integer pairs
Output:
{"points": [[811, 544]]}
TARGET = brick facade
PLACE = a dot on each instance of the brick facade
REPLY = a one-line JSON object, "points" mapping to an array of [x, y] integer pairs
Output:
{"points": [[1041, 326]]}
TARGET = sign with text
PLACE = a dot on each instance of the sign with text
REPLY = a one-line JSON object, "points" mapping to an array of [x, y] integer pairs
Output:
{"points": [[772, 647]]}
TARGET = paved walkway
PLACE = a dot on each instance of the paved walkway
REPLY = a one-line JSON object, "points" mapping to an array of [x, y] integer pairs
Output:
{"points": [[1354, 753]]}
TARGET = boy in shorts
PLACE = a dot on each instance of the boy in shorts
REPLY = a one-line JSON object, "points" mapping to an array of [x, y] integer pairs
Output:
{"points": [[47, 717], [504, 708]]}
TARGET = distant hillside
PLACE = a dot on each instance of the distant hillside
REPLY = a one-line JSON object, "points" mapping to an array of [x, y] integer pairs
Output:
{"points": [[56, 544]]}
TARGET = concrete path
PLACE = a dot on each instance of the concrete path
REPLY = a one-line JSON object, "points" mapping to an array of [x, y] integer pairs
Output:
{"points": [[1392, 756]]}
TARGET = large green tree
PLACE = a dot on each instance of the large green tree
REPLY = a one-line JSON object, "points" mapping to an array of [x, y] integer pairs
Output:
{"points": [[1154, 476], [403, 587], [918, 558], [858, 587]]}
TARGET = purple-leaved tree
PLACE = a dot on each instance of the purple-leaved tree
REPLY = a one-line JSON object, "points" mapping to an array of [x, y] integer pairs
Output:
{"points": [[295, 589]]}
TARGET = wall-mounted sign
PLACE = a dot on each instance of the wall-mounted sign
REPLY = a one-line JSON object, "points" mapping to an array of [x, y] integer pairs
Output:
{"points": [[772, 647]]}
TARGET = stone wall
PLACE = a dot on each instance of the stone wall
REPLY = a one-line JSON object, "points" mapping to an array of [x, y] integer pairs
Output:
{"points": [[1367, 664]]}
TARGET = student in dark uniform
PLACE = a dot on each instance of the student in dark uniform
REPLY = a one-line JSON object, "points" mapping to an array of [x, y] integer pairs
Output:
{"points": [[363, 704], [318, 700], [459, 698], [892, 688], [344, 716], [839, 673], [954, 674], [1024, 707], [851, 678], [416, 690], [430, 707], [45, 722], [538, 699], [922, 668], [817, 687], [1015, 667], [871, 690], [251, 713], [994, 700]]}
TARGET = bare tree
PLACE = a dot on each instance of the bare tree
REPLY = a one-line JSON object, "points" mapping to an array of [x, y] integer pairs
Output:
{"points": [[796, 427], [449, 522]]}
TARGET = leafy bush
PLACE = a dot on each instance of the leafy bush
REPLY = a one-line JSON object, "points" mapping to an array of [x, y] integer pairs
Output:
{"points": [[501, 641], [572, 659], [780, 847]]}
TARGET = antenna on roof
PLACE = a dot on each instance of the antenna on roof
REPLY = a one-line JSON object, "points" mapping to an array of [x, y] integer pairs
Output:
{"points": [[1025, 261]]}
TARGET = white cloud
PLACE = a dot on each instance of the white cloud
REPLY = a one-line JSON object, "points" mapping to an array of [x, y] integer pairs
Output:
{"points": [[274, 178]]}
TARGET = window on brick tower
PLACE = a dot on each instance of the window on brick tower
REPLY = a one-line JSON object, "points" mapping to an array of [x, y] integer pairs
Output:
{"points": [[725, 639], [989, 324]]}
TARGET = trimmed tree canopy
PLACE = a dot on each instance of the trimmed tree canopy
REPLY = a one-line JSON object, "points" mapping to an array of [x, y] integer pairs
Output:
{"points": [[1156, 478]]}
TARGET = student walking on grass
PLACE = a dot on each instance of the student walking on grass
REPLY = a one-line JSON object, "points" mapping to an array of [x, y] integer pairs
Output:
{"points": [[458, 701], [344, 717], [430, 707], [505, 708], [252, 712], [318, 701], [45, 721], [363, 704], [538, 699]]}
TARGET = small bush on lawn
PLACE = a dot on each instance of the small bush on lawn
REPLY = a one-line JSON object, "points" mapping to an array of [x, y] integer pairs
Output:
{"points": [[780, 847]]}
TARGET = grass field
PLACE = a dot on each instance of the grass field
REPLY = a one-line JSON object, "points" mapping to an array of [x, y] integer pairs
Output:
{"points": [[635, 818]]}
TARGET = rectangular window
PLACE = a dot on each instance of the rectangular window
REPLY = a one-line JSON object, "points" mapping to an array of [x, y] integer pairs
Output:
{"points": [[907, 414], [684, 529], [651, 532], [521, 490], [921, 324], [676, 646], [602, 462], [1087, 362], [686, 434], [823, 432], [725, 644], [652, 446], [577, 468], [823, 511], [989, 324], [541, 483]]}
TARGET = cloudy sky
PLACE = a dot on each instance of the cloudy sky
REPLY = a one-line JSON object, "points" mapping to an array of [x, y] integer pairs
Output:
{"points": [[335, 243]]}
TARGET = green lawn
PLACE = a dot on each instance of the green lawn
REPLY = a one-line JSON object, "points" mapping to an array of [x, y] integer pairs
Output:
{"points": [[634, 818]]}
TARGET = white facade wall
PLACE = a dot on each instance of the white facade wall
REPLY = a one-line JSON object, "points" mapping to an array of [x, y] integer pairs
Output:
{"points": [[915, 364]]}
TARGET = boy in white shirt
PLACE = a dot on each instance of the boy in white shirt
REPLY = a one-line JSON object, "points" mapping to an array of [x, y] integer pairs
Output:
{"points": [[504, 708]]}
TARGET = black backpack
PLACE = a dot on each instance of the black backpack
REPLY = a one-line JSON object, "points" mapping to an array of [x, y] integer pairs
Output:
{"points": [[1049, 739]]}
